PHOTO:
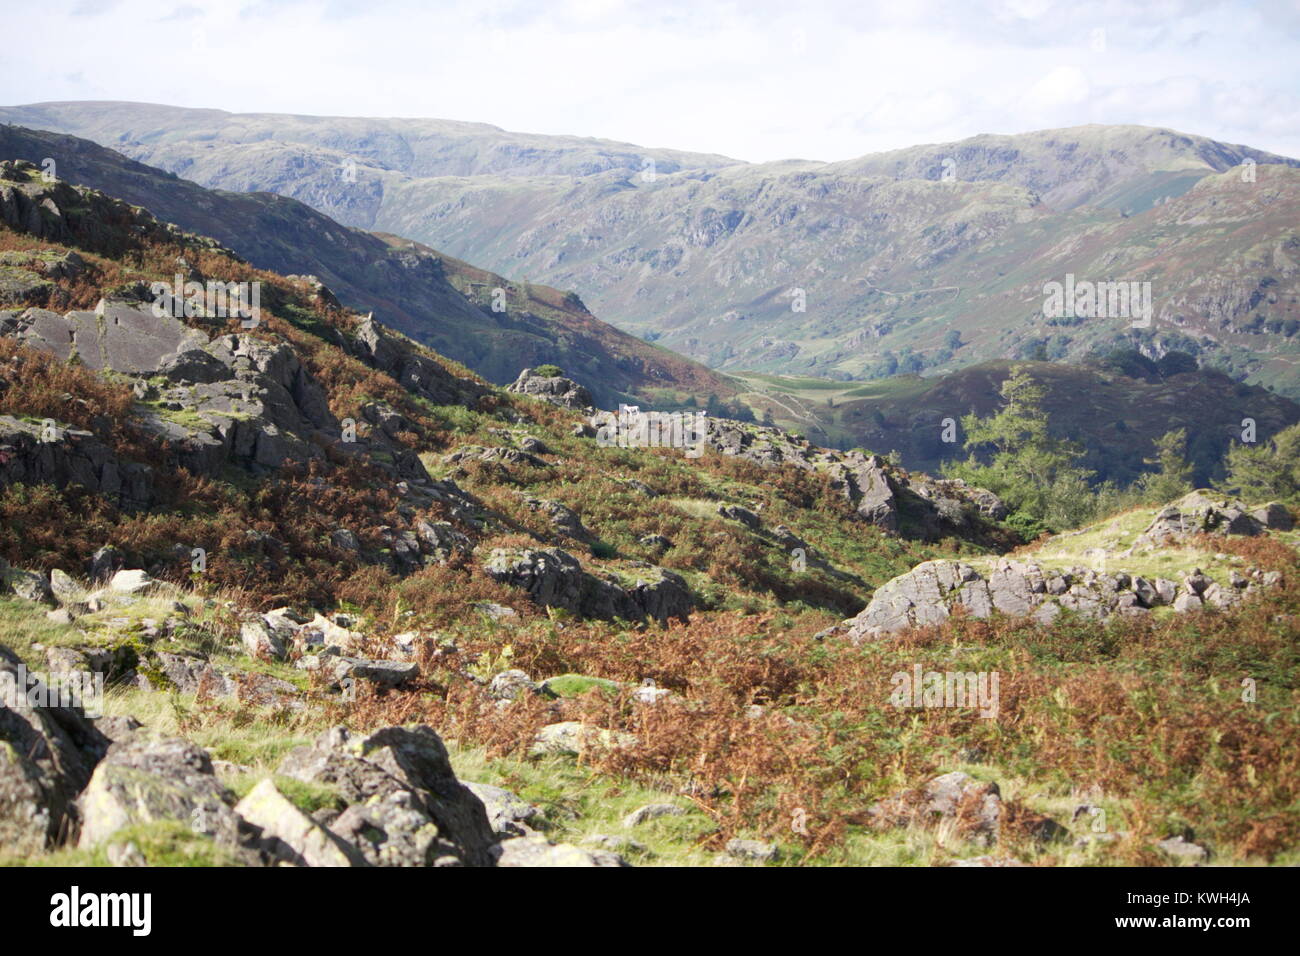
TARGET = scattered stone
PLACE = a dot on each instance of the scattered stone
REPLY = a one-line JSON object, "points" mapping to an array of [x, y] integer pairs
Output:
{"points": [[1275, 516], [753, 850], [652, 811], [261, 642], [557, 390], [145, 777], [27, 585], [614, 843], [571, 737], [737, 513], [384, 674], [130, 582], [537, 851], [1184, 850], [508, 814], [406, 807], [47, 756], [105, 562], [985, 861], [510, 684]]}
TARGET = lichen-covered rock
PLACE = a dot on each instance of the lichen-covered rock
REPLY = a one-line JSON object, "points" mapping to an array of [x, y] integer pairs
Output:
{"points": [[384, 674], [510, 684], [572, 737], [931, 592], [652, 811], [864, 482], [289, 835], [261, 641], [976, 806], [144, 778], [508, 814], [27, 585], [406, 807]]}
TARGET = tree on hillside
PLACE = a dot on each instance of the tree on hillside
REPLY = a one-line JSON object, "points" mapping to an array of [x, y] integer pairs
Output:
{"points": [[1173, 475], [1037, 476], [1265, 472]]}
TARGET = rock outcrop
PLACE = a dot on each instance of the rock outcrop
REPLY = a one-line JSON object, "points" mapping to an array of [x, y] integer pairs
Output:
{"points": [[933, 591], [556, 389], [1202, 512], [406, 807], [879, 493], [51, 453], [554, 578]]}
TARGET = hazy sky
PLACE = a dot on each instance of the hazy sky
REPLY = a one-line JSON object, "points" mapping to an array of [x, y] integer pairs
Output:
{"points": [[755, 80]]}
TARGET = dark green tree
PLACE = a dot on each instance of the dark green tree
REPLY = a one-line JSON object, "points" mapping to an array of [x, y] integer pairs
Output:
{"points": [[1014, 455], [1173, 475]]}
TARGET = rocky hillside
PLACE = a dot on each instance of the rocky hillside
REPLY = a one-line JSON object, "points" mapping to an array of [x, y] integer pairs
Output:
{"points": [[932, 257], [322, 596], [486, 321]]}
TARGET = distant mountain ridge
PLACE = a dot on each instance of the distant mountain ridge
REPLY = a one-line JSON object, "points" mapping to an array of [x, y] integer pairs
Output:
{"points": [[925, 259], [410, 287]]}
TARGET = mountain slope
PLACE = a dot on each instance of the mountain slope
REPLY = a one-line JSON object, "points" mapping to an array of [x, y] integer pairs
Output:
{"points": [[891, 254], [412, 288]]}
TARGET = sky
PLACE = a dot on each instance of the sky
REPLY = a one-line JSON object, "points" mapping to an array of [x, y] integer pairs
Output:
{"points": [[756, 80]]}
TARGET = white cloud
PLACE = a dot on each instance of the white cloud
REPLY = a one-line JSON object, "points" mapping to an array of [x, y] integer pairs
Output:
{"points": [[1065, 86], [756, 80]]}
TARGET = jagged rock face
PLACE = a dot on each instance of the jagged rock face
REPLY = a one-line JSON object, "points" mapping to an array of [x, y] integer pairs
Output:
{"points": [[27, 276], [62, 213], [557, 390], [554, 578], [47, 755], [32, 454], [238, 398], [862, 480]]}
